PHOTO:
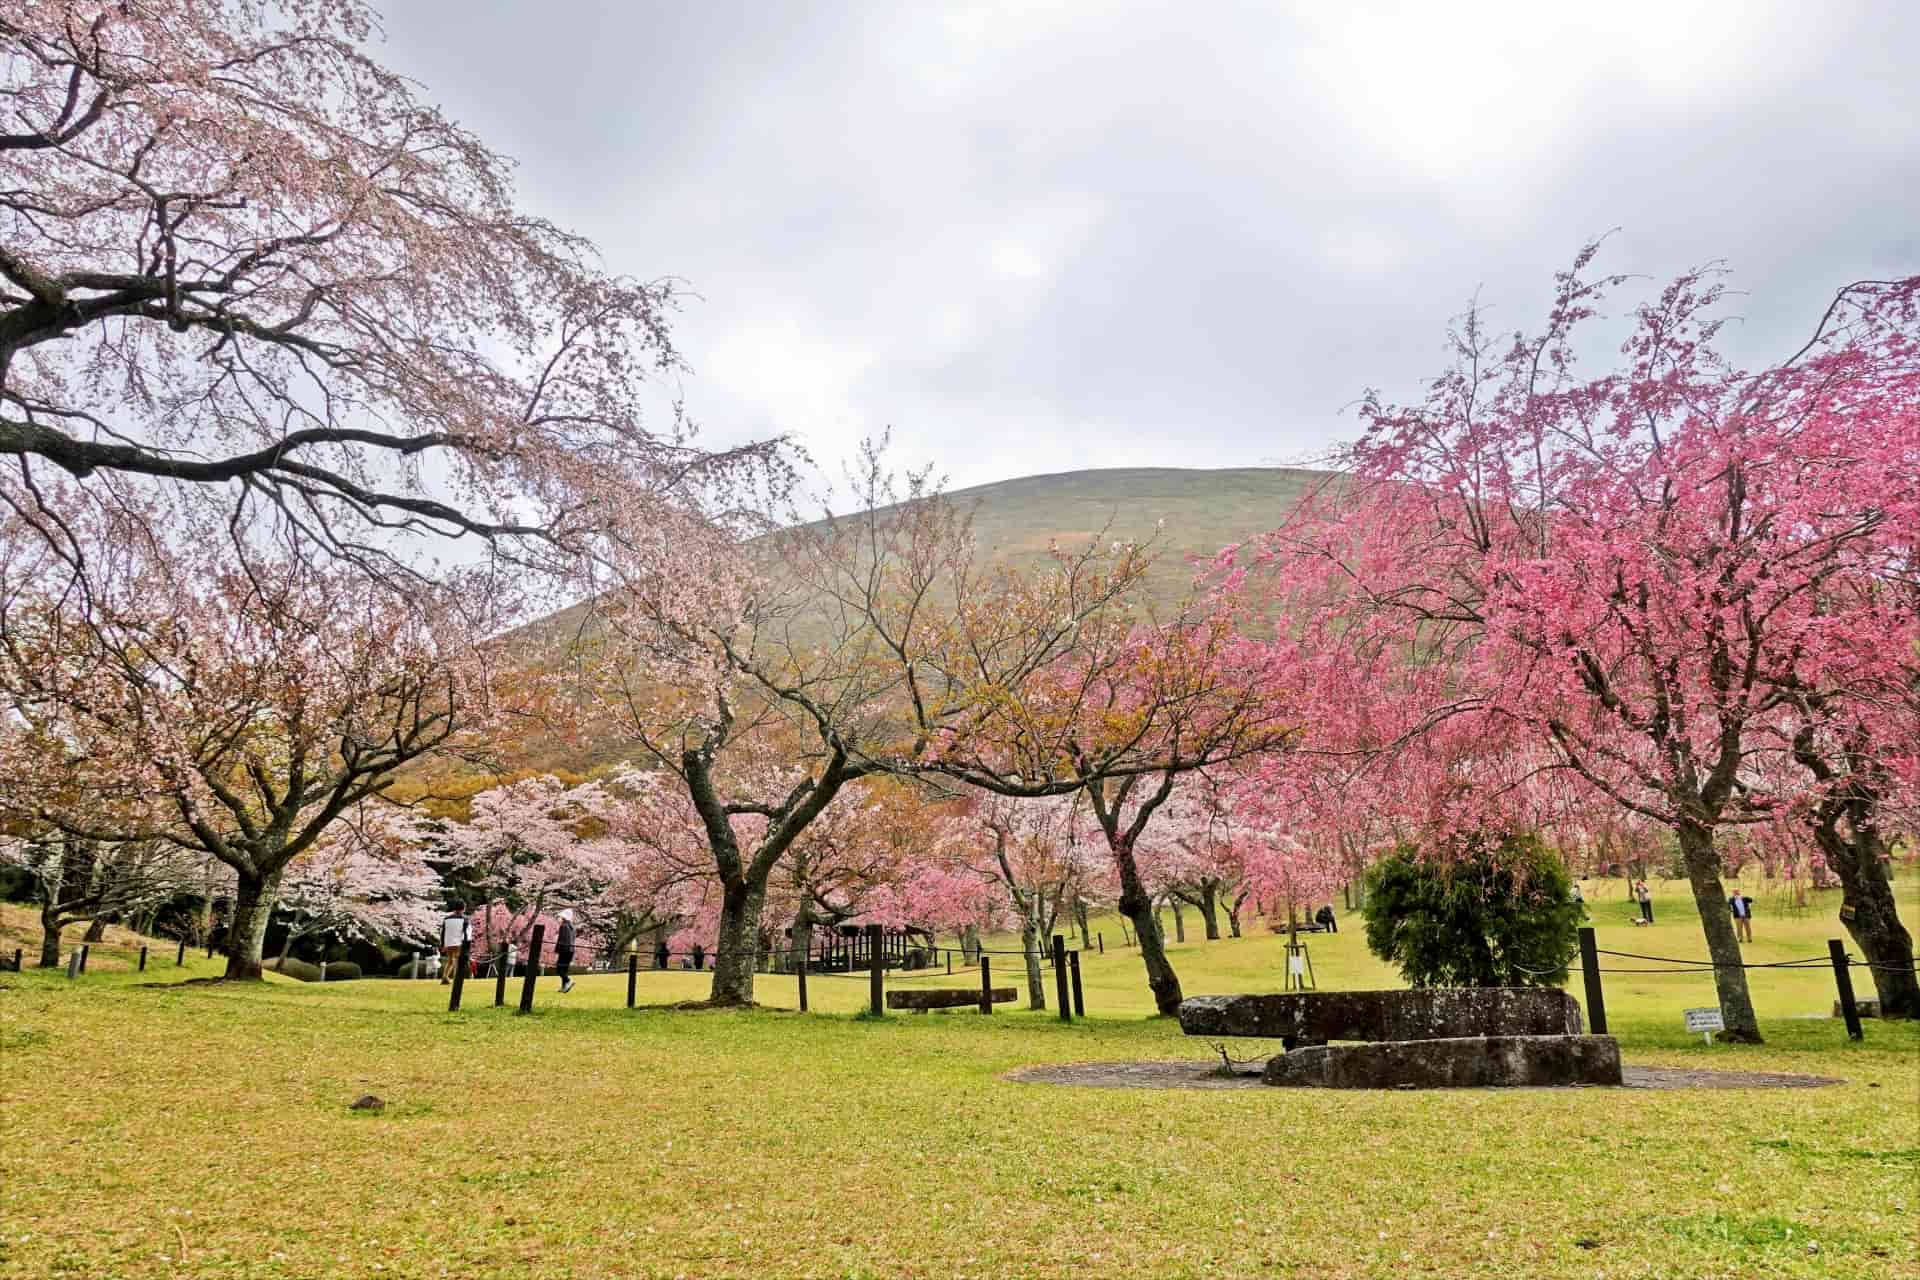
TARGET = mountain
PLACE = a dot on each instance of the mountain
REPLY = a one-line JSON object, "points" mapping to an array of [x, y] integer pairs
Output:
{"points": [[1202, 511], [1191, 512]]}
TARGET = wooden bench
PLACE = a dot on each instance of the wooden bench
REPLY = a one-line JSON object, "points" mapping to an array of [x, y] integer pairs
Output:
{"points": [[945, 998]]}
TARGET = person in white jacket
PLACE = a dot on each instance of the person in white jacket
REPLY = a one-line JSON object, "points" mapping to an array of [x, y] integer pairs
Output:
{"points": [[455, 930]]}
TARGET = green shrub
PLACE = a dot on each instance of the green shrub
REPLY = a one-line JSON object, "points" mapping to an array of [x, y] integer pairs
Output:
{"points": [[337, 971], [1481, 911]]}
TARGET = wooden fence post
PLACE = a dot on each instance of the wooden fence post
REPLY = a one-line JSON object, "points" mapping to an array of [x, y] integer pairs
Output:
{"points": [[500, 979], [1079, 1003], [986, 984], [180, 956], [876, 971], [459, 977], [633, 975], [1060, 976], [1101, 938], [143, 957], [73, 966], [83, 957], [1842, 979], [16, 959], [800, 971], [949, 951], [533, 968], [1590, 970]]}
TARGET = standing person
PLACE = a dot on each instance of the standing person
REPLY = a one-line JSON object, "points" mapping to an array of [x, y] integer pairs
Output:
{"points": [[455, 929], [660, 956], [1742, 907], [1646, 902], [563, 951], [1580, 901]]}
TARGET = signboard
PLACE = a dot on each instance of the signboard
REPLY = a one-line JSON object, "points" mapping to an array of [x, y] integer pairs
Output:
{"points": [[1297, 966], [1706, 1022]]}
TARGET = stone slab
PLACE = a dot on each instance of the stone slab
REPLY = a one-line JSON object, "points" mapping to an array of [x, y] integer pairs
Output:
{"points": [[1432, 1013], [945, 998], [1865, 1008], [1465, 1062]]}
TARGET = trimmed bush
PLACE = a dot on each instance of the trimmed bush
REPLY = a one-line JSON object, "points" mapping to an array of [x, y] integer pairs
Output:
{"points": [[1482, 911], [337, 971]]}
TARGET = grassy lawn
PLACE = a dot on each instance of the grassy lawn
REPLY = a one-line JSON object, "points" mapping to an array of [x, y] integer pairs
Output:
{"points": [[203, 1131]]}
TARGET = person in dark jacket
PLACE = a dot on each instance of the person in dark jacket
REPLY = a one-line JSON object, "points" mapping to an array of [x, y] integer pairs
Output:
{"points": [[563, 950], [661, 957], [1325, 916]]}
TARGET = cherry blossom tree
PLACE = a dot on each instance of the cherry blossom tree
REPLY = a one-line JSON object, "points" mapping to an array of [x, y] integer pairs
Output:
{"points": [[247, 274], [1630, 573], [232, 712], [363, 878], [77, 880], [799, 664]]}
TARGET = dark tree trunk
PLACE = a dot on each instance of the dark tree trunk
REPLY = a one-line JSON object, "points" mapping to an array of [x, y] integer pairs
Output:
{"points": [[1233, 913], [96, 930], [1867, 911], [734, 945], [50, 930], [1179, 920], [1723, 945], [247, 926], [970, 944], [1210, 909], [1136, 906], [1030, 943], [1080, 918]]}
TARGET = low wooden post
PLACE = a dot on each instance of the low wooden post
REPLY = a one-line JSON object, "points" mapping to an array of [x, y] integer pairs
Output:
{"points": [[986, 984], [533, 968], [876, 972], [83, 958], [1079, 1003], [1842, 979], [500, 980], [949, 951], [143, 957], [633, 975], [1060, 976], [459, 977], [801, 972], [323, 971], [73, 966], [16, 959], [180, 956], [1590, 971], [1101, 938]]}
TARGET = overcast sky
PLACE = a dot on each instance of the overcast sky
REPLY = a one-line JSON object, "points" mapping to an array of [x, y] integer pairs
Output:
{"points": [[1037, 237]]}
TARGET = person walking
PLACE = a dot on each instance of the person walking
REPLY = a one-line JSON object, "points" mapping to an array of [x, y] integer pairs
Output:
{"points": [[1742, 907], [563, 951], [1580, 901], [455, 929], [1646, 902]]}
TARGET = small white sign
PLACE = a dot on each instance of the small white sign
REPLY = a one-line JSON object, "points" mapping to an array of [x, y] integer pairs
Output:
{"points": [[1705, 1020], [1296, 965]]}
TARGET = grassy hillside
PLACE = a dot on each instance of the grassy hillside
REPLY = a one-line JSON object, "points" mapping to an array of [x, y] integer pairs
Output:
{"points": [[1194, 512], [1187, 513]]}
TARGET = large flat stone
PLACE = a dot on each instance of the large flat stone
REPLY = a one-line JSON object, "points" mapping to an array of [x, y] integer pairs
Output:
{"points": [[1434, 1013], [1466, 1062], [925, 998]]}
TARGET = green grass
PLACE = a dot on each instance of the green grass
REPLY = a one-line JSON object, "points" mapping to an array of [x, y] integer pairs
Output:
{"points": [[203, 1131]]}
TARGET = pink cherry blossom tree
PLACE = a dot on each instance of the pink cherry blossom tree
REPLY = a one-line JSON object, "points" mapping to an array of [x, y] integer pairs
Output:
{"points": [[170, 696], [1631, 574], [250, 275], [363, 878]]}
